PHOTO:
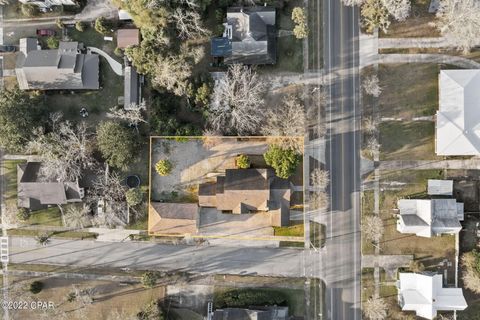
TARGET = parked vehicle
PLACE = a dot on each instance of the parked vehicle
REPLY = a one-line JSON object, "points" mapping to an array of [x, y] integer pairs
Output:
{"points": [[45, 32], [4, 48]]}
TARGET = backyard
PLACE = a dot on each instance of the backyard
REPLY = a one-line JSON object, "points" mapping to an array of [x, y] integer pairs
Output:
{"points": [[419, 24]]}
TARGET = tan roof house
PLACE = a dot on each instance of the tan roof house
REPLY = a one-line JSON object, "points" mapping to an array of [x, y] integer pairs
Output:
{"points": [[172, 218], [127, 37], [248, 191]]}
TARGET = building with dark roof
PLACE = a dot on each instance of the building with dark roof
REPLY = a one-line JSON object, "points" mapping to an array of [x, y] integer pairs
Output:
{"points": [[65, 68], [35, 193], [249, 37], [248, 191]]}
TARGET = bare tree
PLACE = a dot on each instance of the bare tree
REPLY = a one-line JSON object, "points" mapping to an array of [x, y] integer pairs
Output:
{"points": [[237, 102], [375, 308], [416, 266], [133, 114], [286, 119], [371, 85], [188, 23], [320, 178], [471, 276], [172, 73], [66, 151], [318, 201], [77, 217], [372, 228], [351, 3], [459, 21], [372, 146], [399, 9]]}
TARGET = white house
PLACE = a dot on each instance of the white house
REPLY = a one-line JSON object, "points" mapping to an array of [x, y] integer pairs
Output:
{"points": [[425, 294], [458, 119], [429, 217]]}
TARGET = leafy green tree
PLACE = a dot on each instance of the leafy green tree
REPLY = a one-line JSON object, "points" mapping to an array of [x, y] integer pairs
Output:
{"points": [[102, 26], [284, 161], [243, 161], [300, 19], [19, 116], [116, 143], [52, 42], [375, 15], [203, 94], [149, 279], [59, 23], [29, 10], [118, 52], [134, 196], [146, 16], [163, 167], [36, 287], [80, 26]]}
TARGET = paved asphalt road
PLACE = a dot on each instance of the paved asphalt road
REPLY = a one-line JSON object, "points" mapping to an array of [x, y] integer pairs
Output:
{"points": [[341, 257], [145, 255]]}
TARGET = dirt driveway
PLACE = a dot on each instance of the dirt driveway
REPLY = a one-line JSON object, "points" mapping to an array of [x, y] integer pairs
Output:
{"points": [[213, 222]]}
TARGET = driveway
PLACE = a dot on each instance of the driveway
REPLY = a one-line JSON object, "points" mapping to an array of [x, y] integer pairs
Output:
{"points": [[213, 222]]}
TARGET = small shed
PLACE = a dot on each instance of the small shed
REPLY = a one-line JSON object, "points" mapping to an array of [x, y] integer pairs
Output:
{"points": [[127, 37], [440, 187], [124, 15]]}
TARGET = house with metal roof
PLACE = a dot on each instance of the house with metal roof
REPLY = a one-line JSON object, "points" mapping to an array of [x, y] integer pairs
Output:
{"points": [[248, 191], [65, 68], [35, 192], [429, 217], [249, 36], [458, 119], [424, 293]]}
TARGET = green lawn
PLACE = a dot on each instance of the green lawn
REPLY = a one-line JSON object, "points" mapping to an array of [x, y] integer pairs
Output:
{"points": [[471, 313], [294, 230], [10, 167], [409, 90], [409, 140], [367, 209], [48, 217]]}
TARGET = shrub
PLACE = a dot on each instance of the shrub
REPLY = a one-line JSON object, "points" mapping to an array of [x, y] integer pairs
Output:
{"points": [[52, 42], [101, 25], [36, 287], [149, 279], [118, 52], [29, 10], [203, 94], [243, 161], [284, 161], [80, 26], [151, 311], [248, 297], [163, 167], [134, 196], [59, 23], [23, 214]]}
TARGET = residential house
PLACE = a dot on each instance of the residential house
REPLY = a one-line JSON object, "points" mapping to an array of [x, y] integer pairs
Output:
{"points": [[46, 4], [65, 68], [34, 192], [249, 37], [172, 218], [248, 191], [428, 217], [252, 313], [458, 119], [425, 294], [131, 86]]}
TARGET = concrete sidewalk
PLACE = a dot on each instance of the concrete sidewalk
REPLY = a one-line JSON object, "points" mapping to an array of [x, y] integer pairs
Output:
{"points": [[400, 43], [428, 58], [471, 164]]}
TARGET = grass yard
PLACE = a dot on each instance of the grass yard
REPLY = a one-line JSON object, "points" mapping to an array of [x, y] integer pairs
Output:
{"points": [[294, 230], [48, 217], [368, 284], [409, 140], [10, 167], [411, 184], [409, 90], [97, 102], [367, 209], [315, 35], [417, 25], [471, 313], [107, 297], [91, 38]]}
